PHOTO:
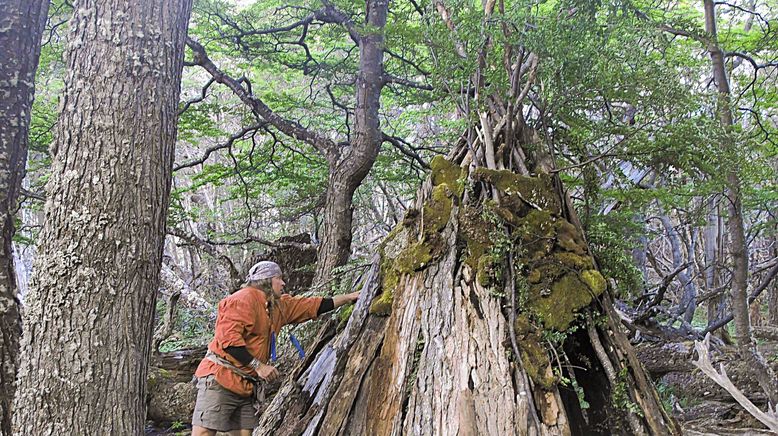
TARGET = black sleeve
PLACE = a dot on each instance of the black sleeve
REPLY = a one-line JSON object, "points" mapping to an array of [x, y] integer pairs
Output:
{"points": [[326, 306], [241, 354]]}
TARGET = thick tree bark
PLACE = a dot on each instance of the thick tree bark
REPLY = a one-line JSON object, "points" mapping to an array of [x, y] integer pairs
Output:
{"points": [[88, 315], [21, 26], [348, 166], [737, 241]]}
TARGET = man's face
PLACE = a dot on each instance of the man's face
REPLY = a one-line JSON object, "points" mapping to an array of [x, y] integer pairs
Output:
{"points": [[278, 285]]}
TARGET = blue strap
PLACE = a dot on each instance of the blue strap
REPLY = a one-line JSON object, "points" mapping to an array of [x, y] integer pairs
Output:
{"points": [[297, 345], [273, 346]]}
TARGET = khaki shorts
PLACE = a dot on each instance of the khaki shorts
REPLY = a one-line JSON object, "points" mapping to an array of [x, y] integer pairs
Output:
{"points": [[220, 409]]}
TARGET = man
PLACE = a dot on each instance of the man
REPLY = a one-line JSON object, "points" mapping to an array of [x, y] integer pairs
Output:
{"points": [[236, 364]]}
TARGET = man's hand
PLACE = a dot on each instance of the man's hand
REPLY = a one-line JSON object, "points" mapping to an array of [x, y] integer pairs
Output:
{"points": [[353, 297], [340, 300], [267, 372]]}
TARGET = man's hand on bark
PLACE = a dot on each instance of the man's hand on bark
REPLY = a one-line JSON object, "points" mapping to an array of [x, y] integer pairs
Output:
{"points": [[267, 372]]}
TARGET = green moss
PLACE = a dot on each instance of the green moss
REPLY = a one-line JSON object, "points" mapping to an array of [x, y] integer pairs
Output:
{"points": [[535, 361], [538, 230], [389, 249], [534, 357], [474, 231], [556, 306], [534, 192], [522, 326], [594, 280], [485, 270], [383, 304], [446, 172], [570, 239], [345, 314], [535, 276], [437, 210], [396, 260], [393, 239], [414, 258], [573, 260]]}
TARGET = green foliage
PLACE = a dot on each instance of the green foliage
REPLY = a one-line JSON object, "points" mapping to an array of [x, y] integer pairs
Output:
{"points": [[579, 392], [177, 425], [192, 328], [621, 397], [611, 239]]}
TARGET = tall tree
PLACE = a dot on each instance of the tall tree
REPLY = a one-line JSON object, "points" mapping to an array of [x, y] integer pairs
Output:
{"points": [[89, 312], [738, 246], [21, 26], [314, 39], [348, 166]]}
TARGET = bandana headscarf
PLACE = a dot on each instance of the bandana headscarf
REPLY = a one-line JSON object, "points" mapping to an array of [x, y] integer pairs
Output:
{"points": [[263, 270]]}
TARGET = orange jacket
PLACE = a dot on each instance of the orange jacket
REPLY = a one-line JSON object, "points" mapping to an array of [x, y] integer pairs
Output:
{"points": [[243, 320]]}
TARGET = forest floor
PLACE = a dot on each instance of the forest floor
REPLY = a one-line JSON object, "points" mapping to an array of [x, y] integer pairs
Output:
{"points": [[699, 405]]}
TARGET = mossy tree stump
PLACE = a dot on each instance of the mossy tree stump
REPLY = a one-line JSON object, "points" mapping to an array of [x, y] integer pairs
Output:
{"points": [[483, 313]]}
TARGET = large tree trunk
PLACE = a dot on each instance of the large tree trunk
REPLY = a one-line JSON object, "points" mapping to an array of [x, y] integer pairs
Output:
{"points": [[21, 26], [737, 240], [483, 274], [88, 315], [348, 166]]}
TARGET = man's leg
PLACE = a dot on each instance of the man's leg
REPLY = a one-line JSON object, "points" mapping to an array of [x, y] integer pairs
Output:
{"points": [[202, 431], [213, 408]]}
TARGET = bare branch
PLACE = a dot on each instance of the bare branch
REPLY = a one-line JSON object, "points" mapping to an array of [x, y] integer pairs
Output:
{"points": [[207, 248], [703, 363], [405, 60], [203, 93], [388, 78], [751, 298], [445, 15], [331, 14], [748, 11], [230, 141], [400, 145], [34, 195], [260, 109], [660, 293], [750, 60]]}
